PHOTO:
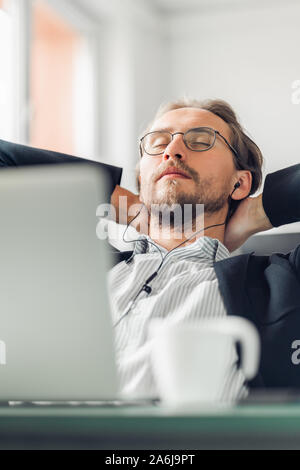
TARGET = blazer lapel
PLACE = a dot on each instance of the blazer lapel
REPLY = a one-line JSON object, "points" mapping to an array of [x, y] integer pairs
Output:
{"points": [[260, 288], [231, 274], [273, 287]]}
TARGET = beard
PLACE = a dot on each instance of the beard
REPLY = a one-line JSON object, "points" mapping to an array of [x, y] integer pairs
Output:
{"points": [[166, 199]]}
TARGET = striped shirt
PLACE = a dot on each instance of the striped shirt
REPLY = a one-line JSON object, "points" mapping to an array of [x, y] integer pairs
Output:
{"points": [[185, 289]]}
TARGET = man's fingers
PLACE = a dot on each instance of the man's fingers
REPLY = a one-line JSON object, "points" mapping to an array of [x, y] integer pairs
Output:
{"points": [[124, 201]]}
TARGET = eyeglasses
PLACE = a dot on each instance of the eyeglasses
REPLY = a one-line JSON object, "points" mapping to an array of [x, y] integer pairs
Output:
{"points": [[199, 139]]}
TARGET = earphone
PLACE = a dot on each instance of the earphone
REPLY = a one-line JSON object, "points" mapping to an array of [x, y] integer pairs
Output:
{"points": [[145, 287]]}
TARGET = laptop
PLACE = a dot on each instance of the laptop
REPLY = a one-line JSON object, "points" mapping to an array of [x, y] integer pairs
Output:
{"points": [[56, 335]]}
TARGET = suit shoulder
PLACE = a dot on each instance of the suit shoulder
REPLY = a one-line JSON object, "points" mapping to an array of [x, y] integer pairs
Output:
{"points": [[294, 258]]}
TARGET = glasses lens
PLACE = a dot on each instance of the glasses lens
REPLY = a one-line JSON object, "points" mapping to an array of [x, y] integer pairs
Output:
{"points": [[156, 142], [200, 139]]}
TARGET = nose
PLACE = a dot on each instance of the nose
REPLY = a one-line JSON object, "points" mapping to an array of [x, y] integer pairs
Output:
{"points": [[176, 149]]}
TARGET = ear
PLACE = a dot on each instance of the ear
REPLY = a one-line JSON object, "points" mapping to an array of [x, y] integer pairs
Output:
{"points": [[244, 177]]}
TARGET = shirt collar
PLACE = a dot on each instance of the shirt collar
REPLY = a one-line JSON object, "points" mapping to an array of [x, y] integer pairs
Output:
{"points": [[204, 247]]}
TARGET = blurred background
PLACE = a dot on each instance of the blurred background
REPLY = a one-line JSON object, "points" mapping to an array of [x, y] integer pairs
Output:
{"points": [[85, 76]]}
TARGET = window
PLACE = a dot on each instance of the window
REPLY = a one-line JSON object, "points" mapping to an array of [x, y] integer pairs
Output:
{"points": [[54, 48], [47, 93]]}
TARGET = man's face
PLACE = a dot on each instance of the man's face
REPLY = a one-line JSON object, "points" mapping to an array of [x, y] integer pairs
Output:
{"points": [[210, 174]]}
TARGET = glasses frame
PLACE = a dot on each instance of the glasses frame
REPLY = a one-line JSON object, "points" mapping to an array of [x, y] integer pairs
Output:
{"points": [[183, 134]]}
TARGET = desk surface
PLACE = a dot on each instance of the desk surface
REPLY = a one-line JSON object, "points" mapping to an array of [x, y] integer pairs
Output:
{"points": [[157, 427]]}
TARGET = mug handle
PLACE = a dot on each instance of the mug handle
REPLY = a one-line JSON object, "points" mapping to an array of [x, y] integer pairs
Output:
{"points": [[245, 332]]}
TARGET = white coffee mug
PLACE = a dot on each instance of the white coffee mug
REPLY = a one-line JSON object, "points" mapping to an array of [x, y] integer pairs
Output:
{"points": [[192, 361]]}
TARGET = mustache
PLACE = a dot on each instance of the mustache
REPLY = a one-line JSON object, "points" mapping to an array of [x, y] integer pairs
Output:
{"points": [[182, 166]]}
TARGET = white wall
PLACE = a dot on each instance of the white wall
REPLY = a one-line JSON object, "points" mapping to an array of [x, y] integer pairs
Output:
{"points": [[136, 86], [249, 56]]}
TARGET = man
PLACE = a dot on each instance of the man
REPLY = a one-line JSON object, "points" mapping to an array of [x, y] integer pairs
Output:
{"points": [[221, 167], [197, 153]]}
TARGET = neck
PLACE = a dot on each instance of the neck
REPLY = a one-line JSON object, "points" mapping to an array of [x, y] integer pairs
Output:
{"points": [[170, 238]]}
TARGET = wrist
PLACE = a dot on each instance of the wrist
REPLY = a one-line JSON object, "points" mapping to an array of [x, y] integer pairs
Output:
{"points": [[259, 219]]}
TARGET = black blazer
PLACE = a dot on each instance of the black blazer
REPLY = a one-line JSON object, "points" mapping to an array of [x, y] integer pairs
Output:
{"points": [[15, 155], [263, 289]]}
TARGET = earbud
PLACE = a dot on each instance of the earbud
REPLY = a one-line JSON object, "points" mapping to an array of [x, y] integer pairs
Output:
{"points": [[237, 185]]}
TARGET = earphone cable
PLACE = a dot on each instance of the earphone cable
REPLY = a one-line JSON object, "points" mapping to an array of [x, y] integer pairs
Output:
{"points": [[146, 286]]}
